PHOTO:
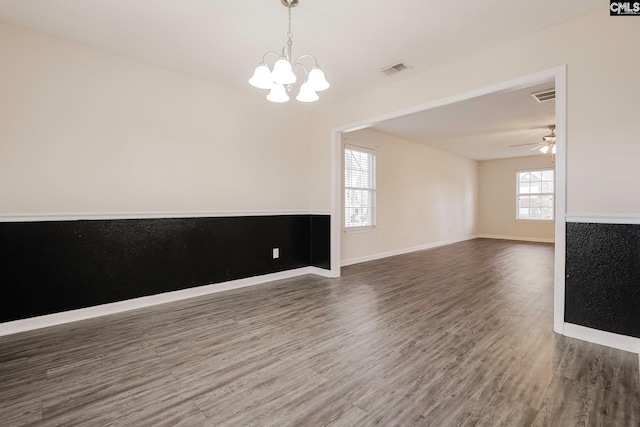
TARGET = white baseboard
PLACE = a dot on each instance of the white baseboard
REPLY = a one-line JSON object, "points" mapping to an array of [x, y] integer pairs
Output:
{"points": [[373, 257], [521, 239], [31, 323], [621, 342], [320, 272]]}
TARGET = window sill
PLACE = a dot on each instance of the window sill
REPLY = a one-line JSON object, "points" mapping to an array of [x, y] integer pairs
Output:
{"points": [[352, 230]]}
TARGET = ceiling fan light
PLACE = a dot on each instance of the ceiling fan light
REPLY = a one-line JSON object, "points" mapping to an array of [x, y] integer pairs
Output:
{"points": [[544, 149], [317, 79], [278, 94], [283, 73], [307, 94], [261, 77], [553, 149]]}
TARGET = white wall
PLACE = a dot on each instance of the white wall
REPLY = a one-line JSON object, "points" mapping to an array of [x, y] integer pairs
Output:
{"points": [[86, 131], [424, 196], [83, 130], [497, 200], [603, 79]]}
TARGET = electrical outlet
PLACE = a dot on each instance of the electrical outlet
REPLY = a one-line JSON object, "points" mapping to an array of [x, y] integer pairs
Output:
{"points": [[276, 253]]}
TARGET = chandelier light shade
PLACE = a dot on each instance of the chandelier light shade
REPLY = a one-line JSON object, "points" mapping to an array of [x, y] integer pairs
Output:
{"points": [[261, 77], [278, 94], [283, 72], [307, 94], [282, 77], [317, 80]]}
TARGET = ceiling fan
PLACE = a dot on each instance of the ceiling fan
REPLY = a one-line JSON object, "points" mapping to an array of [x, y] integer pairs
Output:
{"points": [[548, 145]]}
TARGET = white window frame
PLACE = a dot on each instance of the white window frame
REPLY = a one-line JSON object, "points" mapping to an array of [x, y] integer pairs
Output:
{"points": [[518, 194], [371, 189]]}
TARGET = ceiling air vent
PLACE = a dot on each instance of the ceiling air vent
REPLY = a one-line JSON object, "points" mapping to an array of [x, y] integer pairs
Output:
{"points": [[393, 69], [546, 95]]}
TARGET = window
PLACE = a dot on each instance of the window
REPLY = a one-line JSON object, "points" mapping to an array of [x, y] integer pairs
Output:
{"points": [[535, 195], [359, 187]]}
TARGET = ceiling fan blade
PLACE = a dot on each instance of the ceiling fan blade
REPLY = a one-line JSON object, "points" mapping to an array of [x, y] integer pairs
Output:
{"points": [[520, 145]]}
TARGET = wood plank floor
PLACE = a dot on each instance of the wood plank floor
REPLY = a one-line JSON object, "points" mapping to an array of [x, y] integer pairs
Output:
{"points": [[458, 335]]}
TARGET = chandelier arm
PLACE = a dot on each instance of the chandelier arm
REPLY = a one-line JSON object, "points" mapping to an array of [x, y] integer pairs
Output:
{"points": [[264, 57], [306, 72], [315, 61]]}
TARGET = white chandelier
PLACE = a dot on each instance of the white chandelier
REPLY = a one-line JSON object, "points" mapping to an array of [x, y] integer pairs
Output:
{"points": [[280, 81]]}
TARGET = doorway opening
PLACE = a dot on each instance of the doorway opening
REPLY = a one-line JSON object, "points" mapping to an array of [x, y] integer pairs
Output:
{"points": [[555, 76]]}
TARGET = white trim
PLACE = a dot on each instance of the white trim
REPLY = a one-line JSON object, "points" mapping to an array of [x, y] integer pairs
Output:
{"points": [[360, 229], [373, 257], [360, 127], [604, 218], [360, 149], [31, 323], [323, 272], [560, 76], [144, 215], [522, 239], [621, 342], [336, 201]]}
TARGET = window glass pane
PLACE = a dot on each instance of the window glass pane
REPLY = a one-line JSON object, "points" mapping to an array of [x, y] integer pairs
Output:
{"points": [[523, 202], [358, 168], [358, 210], [359, 180], [547, 202], [535, 195], [536, 201], [536, 176], [546, 213], [547, 175], [536, 188]]}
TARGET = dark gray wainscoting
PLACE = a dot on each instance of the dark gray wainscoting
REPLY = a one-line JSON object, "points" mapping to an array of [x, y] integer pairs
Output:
{"points": [[602, 288], [53, 266]]}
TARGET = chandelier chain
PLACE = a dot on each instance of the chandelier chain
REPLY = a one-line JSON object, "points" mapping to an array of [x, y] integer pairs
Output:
{"points": [[289, 34]]}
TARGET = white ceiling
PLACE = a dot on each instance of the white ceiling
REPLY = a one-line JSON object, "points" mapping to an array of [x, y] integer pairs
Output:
{"points": [[481, 128], [223, 40]]}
